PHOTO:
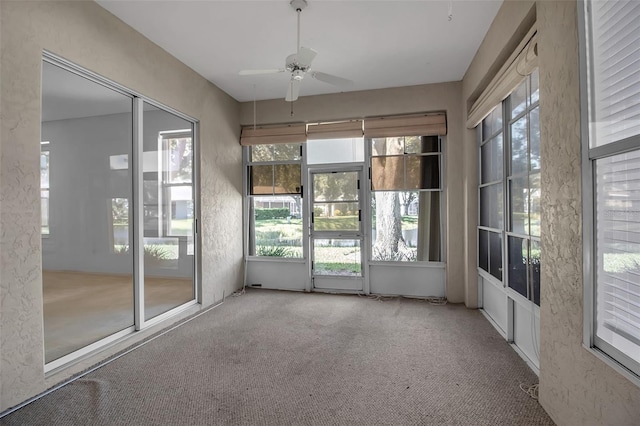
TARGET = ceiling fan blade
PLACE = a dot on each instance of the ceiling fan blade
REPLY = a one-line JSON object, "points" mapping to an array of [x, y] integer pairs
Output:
{"points": [[293, 90], [331, 79], [258, 72], [305, 56]]}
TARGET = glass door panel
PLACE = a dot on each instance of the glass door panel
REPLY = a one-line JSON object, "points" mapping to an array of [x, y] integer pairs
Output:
{"points": [[168, 211], [337, 257], [86, 199], [336, 230]]}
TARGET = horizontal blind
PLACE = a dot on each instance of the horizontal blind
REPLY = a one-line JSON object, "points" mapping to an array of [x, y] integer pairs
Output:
{"points": [[414, 125], [338, 130], [618, 246], [522, 62], [292, 133], [615, 68]]}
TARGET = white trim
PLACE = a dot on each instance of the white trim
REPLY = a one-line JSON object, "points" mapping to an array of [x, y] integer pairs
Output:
{"points": [[493, 323], [170, 313], [526, 359], [57, 364]]}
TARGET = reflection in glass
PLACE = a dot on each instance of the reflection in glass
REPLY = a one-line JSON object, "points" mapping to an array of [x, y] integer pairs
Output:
{"points": [[519, 148], [491, 160], [491, 207], [534, 204], [168, 211], [519, 205], [87, 285], [495, 254], [519, 99], [518, 260], [340, 257], [492, 123], [534, 120], [535, 88], [276, 228], [44, 188], [483, 249], [534, 254]]}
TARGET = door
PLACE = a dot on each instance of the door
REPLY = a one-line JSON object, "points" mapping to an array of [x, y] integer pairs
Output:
{"points": [[336, 235]]}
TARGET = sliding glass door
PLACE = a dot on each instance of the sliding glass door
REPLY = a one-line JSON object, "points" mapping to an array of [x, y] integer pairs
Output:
{"points": [[168, 212], [118, 211], [87, 272]]}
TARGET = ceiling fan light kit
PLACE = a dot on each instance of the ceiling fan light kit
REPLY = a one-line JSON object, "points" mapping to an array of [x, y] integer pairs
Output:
{"points": [[299, 64]]}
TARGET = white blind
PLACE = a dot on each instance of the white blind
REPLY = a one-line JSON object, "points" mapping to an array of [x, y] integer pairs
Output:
{"points": [[618, 247], [615, 68]]}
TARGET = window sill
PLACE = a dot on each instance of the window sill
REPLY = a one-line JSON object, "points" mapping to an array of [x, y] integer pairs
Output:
{"points": [[275, 259], [421, 264], [629, 375]]}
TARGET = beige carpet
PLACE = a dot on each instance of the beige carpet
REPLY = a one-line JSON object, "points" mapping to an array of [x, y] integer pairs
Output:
{"points": [[275, 358], [82, 308]]}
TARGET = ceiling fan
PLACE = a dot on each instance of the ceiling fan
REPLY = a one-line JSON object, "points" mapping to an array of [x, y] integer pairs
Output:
{"points": [[299, 64]]}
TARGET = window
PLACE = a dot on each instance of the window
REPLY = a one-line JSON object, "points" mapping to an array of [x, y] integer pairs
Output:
{"points": [[406, 198], [523, 189], [511, 132], [491, 195], [44, 188], [275, 200], [612, 164], [178, 158]]}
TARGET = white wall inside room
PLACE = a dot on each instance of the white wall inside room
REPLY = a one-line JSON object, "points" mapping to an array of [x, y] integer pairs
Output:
{"points": [[82, 185], [408, 279], [494, 303], [289, 275]]}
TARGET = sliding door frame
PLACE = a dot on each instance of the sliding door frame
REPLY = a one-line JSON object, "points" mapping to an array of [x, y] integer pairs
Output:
{"points": [[137, 214]]}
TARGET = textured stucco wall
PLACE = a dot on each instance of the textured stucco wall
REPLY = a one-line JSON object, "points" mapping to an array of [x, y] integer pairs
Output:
{"points": [[576, 388], [510, 25], [86, 34], [401, 100]]}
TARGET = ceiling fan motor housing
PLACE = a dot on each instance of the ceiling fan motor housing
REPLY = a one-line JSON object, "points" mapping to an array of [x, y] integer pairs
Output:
{"points": [[298, 4]]}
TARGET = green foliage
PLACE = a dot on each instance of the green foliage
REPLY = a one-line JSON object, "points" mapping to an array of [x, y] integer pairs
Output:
{"points": [[156, 252], [391, 256], [337, 268], [152, 253], [621, 262], [274, 251], [266, 214]]}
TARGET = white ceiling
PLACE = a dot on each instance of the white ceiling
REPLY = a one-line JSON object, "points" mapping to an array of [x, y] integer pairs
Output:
{"points": [[377, 44]]}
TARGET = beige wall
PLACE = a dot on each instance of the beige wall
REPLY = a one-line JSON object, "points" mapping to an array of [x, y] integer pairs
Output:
{"points": [[402, 100], [86, 34], [576, 388]]}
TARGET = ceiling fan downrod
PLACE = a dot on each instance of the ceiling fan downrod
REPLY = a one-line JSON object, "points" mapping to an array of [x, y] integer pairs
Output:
{"points": [[298, 6]]}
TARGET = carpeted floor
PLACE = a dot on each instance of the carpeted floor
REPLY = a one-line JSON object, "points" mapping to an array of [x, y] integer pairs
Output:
{"points": [[274, 358]]}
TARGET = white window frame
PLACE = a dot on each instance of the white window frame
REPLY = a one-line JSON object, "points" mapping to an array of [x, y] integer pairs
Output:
{"points": [[44, 148], [440, 154], [616, 359]]}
